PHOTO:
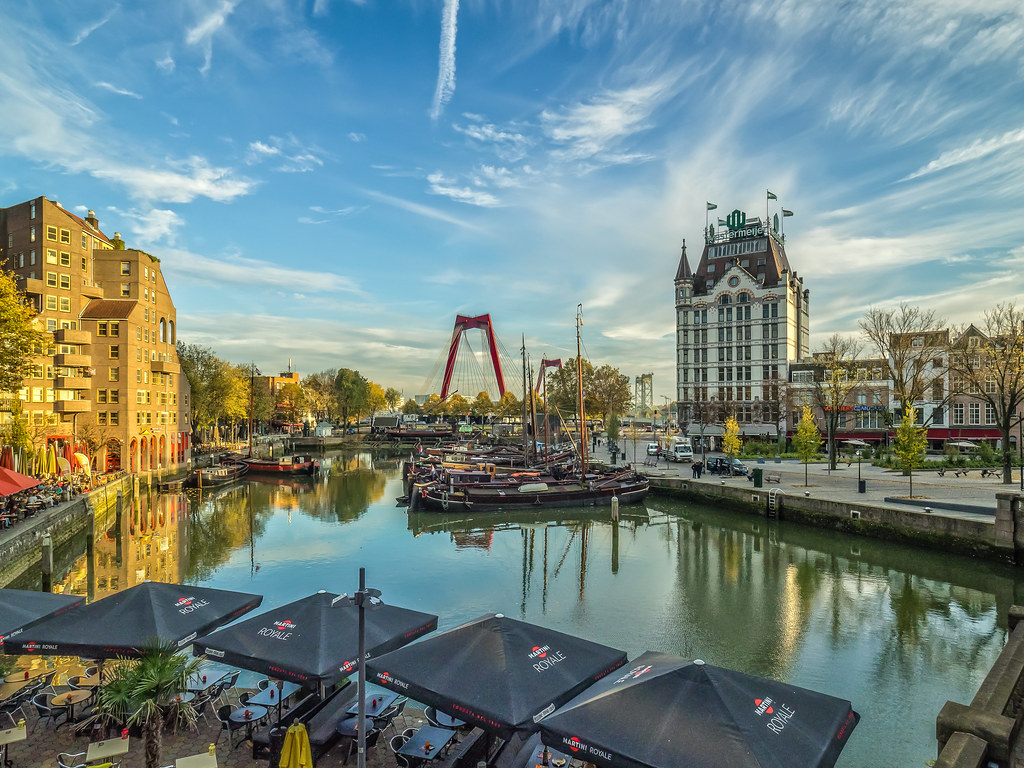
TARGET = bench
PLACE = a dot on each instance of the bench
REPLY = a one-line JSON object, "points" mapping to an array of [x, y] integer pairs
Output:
{"points": [[651, 461], [772, 477], [322, 723], [467, 752], [299, 711], [997, 474], [961, 472]]}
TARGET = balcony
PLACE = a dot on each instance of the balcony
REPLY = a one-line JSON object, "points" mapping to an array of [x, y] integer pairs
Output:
{"points": [[92, 290], [73, 361], [72, 406], [164, 366], [30, 285], [72, 382], [69, 336]]}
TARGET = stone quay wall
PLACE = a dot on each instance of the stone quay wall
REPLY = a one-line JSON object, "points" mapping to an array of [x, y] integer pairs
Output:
{"points": [[999, 537], [21, 545]]}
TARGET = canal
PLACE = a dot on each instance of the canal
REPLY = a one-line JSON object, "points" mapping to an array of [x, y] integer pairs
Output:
{"points": [[896, 630]]}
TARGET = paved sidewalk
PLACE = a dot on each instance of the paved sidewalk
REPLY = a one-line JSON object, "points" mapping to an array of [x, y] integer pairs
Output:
{"points": [[883, 486]]}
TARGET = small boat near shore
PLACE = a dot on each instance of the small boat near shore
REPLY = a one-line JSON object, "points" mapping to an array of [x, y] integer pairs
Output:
{"points": [[218, 474], [284, 465]]}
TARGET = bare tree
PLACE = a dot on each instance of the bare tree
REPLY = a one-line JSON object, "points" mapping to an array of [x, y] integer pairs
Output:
{"points": [[987, 365], [834, 380], [907, 340]]}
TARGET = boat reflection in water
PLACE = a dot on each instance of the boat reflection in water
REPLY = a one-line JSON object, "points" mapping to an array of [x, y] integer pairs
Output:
{"points": [[542, 555]]}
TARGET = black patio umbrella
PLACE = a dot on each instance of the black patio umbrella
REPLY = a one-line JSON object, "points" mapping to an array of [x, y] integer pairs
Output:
{"points": [[311, 640], [498, 673], [20, 609], [669, 711], [124, 623]]}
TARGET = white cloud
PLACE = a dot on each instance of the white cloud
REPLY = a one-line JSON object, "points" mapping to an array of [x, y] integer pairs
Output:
{"points": [[976, 149], [166, 64], [420, 209], [441, 185], [182, 182], [446, 58], [294, 156], [356, 137], [90, 28], [233, 269], [589, 131], [509, 143], [202, 34], [114, 89], [151, 226]]}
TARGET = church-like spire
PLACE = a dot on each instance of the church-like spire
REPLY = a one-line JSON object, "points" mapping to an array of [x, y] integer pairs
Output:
{"points": [[684, 273]]}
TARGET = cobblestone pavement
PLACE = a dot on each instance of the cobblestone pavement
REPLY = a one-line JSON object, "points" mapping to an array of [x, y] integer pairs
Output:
{"points": [[45, 742]]}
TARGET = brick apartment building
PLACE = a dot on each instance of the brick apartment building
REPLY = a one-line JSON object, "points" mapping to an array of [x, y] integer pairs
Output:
{"points": [[110, 378]]}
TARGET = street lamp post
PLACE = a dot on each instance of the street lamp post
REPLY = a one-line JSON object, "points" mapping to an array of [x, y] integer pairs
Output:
{"points": [[363, 599]]}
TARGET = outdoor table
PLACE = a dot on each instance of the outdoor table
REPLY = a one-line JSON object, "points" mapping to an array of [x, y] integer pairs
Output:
{"points": [[537, 758], [256, 713], [69, 700], [9, 736], [204, 760], [182, 698], [107, 748], [438, 738], [92, 681], [375, 703], [267, 699], [198, 684], [7, 690], [349, 726], [447, 721], [25, 674]]}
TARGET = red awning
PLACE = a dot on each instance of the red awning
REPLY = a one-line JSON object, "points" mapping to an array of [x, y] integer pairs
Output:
{"points": [[965, 433]]}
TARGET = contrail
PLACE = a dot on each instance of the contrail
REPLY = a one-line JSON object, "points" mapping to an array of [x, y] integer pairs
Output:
{"points": [[446, 60]]}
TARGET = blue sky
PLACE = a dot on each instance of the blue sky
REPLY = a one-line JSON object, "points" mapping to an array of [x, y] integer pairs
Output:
{"points": [[333, 181]]}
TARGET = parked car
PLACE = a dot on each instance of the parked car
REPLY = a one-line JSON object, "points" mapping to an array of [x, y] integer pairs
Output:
{"points": [[723, 465], [652, 449]]}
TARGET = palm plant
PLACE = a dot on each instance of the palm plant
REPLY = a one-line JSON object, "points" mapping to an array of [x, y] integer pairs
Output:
{"points": [[140, 691]]}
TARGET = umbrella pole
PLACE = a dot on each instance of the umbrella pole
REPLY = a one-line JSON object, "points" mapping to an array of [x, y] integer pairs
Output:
{"points": [[361, 693]]}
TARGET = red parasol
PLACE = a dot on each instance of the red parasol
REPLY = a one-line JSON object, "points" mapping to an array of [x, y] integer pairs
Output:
{"points": [[7, 458], [12, 482]]}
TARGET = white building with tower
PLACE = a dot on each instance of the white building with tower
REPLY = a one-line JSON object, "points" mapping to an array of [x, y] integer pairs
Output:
{"points": [[741, 319]]}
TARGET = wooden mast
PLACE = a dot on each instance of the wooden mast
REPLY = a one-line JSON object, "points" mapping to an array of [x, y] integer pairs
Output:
{"points": [[579, 384]]}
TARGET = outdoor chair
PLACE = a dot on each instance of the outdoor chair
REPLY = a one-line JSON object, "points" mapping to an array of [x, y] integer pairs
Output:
{"points": [[263, 684], [16, 703], [46, 712], [227, 687], [199, 705], [396, 743], [71, 760], [385, 718], [408, 733], [431, 714], [399, 707], [226, 724]]}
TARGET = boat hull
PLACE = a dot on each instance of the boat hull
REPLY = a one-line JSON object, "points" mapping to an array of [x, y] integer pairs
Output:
{"points": [[276, 467], [484, 499]]}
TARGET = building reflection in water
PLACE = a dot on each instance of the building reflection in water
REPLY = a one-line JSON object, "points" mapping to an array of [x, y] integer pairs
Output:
{"points": [[146, 542]]}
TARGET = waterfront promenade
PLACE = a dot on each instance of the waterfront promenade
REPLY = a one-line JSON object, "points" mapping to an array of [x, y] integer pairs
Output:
{"points": [[969, 497]]}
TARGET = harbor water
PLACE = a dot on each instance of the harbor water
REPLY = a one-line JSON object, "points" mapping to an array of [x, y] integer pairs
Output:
{"points": [[896, 630]]}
